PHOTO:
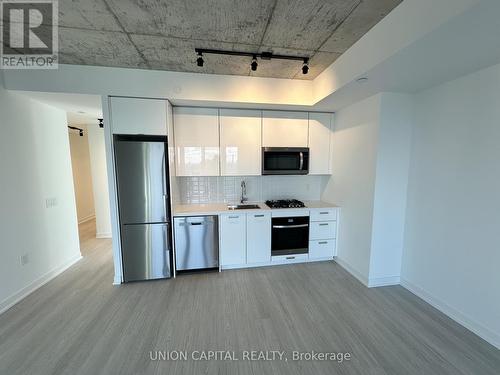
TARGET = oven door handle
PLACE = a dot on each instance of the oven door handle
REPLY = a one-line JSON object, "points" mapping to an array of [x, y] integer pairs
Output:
{"points": [[301, 166], [290, 226]]}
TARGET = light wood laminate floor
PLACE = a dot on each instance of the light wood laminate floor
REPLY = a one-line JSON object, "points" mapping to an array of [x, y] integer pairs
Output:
{"points": [[79, 323]]}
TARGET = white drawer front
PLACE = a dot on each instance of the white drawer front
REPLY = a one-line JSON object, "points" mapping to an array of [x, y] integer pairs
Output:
{"points": [[322, 230], [327, 214], [321, 249], [292, 258]]}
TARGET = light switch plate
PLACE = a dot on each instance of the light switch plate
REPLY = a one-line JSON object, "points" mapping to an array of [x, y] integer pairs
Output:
{"points": [[24, 259], [50, 202]]}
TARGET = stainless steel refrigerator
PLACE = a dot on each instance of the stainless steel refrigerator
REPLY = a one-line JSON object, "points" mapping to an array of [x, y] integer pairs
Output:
{"points": [[141, 166]]}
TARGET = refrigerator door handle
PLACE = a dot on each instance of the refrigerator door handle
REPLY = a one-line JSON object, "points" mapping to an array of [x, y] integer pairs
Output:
{"points": [[163, 174], [165, 242], [163, 185]]}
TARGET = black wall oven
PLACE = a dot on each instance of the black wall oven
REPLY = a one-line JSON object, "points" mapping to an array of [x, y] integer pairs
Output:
{"points": [[290, 235], [285, 160]]}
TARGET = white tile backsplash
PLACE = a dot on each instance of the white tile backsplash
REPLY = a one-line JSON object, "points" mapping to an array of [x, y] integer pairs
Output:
{"points": [[196, 190]]}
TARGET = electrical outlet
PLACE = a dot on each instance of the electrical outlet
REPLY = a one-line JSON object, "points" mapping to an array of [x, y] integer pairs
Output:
{"points": [[25, 259]]}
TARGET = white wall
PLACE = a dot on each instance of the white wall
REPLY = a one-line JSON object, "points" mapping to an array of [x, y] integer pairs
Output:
{"points": [[353, 183], [452, 239], [391, 182], [205, 88], [100, 189], [82, 178], [371, 152], [34, 166]]}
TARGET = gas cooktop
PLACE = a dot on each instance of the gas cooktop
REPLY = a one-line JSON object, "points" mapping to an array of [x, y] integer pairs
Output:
{"points": [[285, 203]]}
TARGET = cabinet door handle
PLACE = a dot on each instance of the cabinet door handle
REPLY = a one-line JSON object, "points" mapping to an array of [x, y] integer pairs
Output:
{"points": [[258, 215], [322, 242], [234, 217], [323, 224], [290, 257], [324, 213]]}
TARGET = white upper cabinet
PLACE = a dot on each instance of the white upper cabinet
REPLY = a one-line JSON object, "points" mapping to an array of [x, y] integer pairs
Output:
{"points": [[284, 129], [196, 132], [240, 142], [320, 127], [139, 116]]}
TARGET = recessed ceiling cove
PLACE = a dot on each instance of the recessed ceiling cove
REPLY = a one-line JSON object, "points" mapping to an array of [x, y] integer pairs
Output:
{"points": [[162, 35]]}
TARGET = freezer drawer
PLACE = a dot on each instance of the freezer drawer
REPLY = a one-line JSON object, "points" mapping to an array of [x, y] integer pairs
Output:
{"points": [[145, 251], [196, 242]]}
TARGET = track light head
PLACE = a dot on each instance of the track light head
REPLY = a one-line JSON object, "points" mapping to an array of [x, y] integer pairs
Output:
{"points": [[199, 60], [254, 64], [101, 124], [81, 133], [305, 66]]}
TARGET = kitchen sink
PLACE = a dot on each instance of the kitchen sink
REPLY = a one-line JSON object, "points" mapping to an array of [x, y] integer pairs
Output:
{"points": [[243, 207]]}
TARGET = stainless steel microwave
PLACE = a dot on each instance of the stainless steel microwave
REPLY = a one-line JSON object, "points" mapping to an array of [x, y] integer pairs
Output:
{"points": [[285, 160]]}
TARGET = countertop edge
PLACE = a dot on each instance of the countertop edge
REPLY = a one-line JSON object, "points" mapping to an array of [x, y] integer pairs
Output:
{"points": [[221, 208]]}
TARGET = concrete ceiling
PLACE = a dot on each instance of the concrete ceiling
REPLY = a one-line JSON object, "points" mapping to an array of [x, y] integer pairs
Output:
{"points": [[162, 35]]}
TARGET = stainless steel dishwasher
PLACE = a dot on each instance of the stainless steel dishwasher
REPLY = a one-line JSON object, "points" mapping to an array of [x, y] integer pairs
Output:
{"points": [[196, 242]]}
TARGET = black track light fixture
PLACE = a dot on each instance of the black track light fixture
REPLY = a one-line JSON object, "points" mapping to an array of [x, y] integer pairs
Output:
{"points": [[101, 123], [254, 64], [80, 131], [305, 66], [199, 60]]}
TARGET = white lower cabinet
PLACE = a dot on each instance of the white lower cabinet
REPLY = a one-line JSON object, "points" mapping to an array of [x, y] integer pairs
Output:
{"points": [[320, 249], [245, 238], [258, 238], [323, 230], [323, 234], [327, 214], [232, 239], [295, 258]]}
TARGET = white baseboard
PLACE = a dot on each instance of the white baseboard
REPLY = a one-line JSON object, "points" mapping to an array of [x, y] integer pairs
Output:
{"points": [[358, 275], [87, 218], [103, 235], [27, 290], [117, 280], [461, 318], [383, 281]]}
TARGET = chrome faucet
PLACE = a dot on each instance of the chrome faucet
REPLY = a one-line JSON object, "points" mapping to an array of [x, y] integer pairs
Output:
{"points": [[243, 192]]}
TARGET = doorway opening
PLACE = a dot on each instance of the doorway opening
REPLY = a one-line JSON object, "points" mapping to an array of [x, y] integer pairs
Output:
{"points": [[88, 161]]}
